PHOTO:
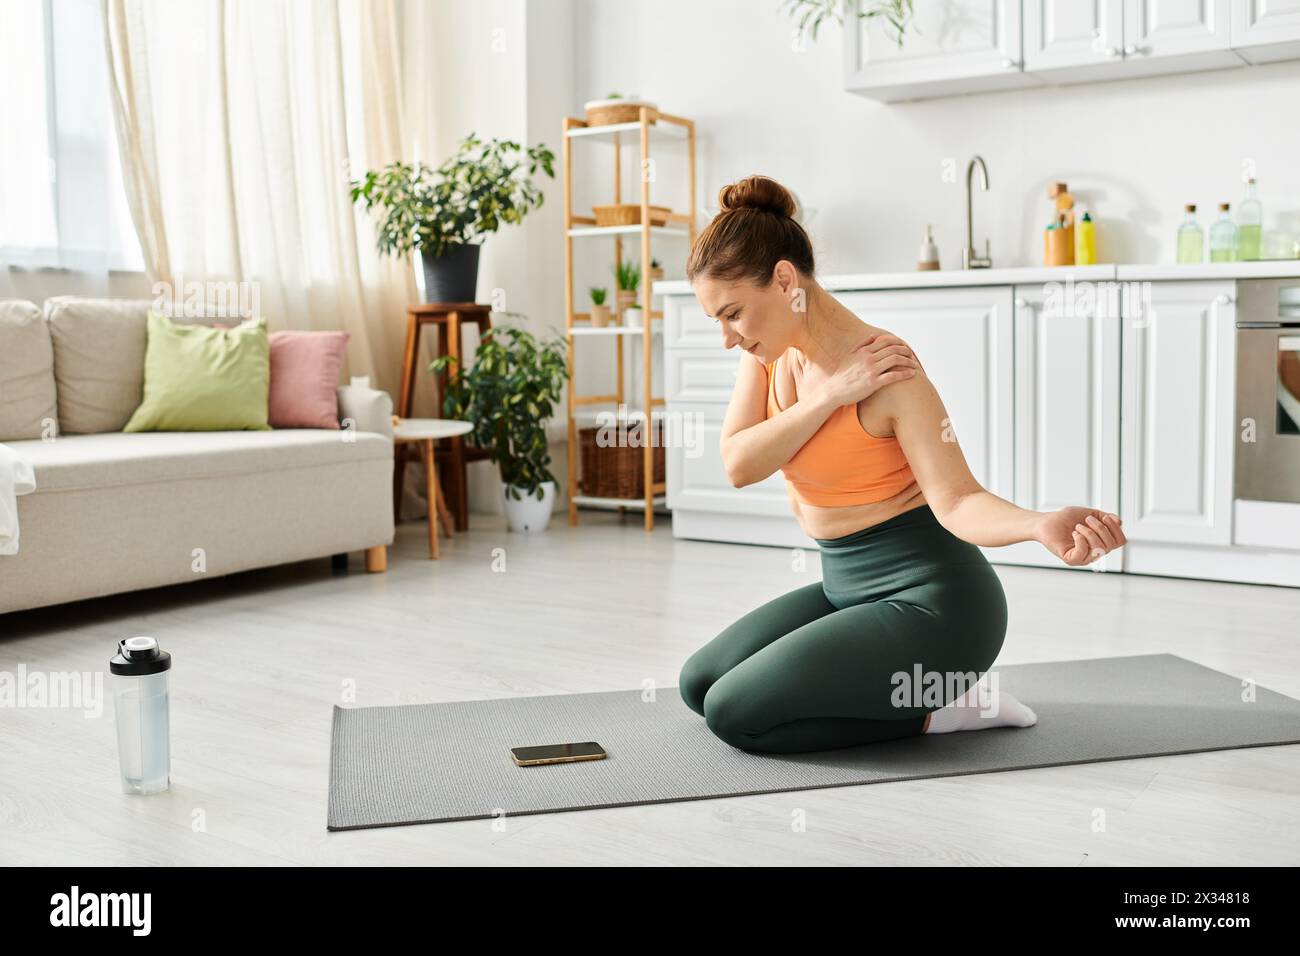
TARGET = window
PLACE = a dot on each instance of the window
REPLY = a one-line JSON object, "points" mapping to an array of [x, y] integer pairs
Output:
{"points": [[62, 202]]}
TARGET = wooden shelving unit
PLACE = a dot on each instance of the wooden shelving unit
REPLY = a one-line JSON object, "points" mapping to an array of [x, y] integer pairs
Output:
{"points": [[679, 226]]}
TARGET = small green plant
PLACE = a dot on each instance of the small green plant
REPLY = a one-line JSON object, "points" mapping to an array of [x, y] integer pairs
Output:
{"points": [[812, 13], [509, 393], [482, 186], [598, 296], [628, 274]]}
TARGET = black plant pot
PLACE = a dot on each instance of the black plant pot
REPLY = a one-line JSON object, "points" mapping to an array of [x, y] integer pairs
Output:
{"points": [[452, 277]]}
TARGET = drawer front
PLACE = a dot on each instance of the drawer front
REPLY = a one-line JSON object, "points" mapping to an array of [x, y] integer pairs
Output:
{"points": [[686, 326], [700, 375]]}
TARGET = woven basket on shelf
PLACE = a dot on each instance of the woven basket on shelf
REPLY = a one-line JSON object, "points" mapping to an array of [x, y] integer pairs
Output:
{"points": [[616, 471], [605, 112], [629, 214]]}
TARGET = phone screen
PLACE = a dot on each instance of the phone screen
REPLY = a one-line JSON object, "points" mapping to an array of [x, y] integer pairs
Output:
{"points": [[558, 751]]}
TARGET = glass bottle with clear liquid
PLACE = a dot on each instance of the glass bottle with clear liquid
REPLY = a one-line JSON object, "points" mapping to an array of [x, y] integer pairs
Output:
{"points": [[1191, 240], [1250, 223], [1223, 237]]}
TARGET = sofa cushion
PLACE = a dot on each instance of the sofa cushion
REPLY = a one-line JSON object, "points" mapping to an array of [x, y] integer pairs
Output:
{"points": [[204, 379], [80, 462], [98, 360], [28, 400], [305, 369]]}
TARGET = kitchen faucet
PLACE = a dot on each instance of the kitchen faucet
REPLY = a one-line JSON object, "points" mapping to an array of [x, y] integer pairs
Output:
{"points": [[968, 258]]}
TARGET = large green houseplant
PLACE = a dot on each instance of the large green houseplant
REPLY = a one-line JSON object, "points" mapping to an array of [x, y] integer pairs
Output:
{"points": [[444, 214], [509, 393]]}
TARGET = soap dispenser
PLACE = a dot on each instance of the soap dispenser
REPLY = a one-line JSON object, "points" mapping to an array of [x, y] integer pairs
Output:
{"points": [[928, 258]]}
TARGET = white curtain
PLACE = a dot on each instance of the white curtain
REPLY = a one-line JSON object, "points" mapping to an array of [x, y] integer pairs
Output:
{"points": [[240, 123]]}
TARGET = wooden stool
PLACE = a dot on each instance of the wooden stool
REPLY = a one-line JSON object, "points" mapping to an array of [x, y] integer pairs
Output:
{"points": [[448, 316]]}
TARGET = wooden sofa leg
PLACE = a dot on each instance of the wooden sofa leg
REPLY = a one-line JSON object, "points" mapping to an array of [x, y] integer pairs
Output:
{"points": [[377, 559]]}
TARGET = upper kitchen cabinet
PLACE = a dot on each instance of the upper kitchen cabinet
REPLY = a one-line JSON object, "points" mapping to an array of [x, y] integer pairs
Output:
{"points": [[969, 46], [1067, 41], [960, 46], [1264, 31]]}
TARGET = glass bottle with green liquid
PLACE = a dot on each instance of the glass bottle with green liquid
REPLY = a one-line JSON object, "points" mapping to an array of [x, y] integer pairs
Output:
{"points": [[1250, 222], [1223, 237], [1191, 240]]}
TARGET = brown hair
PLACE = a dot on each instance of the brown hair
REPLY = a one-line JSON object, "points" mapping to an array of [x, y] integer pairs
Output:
{"points": [[754, 230]]}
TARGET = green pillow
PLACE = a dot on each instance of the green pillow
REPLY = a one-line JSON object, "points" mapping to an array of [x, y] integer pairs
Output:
{"points": [[198, 378]]}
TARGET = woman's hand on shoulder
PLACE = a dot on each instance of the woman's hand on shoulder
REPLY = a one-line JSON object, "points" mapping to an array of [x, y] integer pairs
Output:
{"points": [[882, 359]]}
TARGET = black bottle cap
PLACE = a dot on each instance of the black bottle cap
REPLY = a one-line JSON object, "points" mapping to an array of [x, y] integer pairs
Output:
{"points": [[139, 657]]}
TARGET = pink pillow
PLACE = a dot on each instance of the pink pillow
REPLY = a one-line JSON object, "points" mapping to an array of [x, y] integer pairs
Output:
{"points": [[305, 370]]}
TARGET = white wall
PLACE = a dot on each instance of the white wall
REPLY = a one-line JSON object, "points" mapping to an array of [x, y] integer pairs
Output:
{"points": [[1134, 151]]}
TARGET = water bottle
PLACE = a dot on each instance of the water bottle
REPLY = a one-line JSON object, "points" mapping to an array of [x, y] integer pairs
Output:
{"points": [[140, 701]]}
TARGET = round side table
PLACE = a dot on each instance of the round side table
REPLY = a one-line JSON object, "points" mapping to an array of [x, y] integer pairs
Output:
{"points": [[424, 432]]}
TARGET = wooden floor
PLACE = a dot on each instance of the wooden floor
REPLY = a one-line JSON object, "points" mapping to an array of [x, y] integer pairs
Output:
{"points": [[261, 657]]}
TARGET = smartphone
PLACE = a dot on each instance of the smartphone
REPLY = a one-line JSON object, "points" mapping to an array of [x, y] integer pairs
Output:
{"points": [[557, 753]]}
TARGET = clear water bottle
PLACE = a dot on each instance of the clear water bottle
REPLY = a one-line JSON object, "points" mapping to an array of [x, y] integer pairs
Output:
{"points": [[1223, 237], [140, 701]]}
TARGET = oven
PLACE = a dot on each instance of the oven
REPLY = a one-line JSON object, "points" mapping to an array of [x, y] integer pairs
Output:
{"points": [[1268, 390]]}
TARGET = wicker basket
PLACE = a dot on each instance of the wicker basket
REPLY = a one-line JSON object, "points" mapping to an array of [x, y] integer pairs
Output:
{"points": [[605, 112], [629, 214], [616, 471]]}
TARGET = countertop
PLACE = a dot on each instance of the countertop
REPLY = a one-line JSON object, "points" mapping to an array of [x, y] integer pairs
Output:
{"points": [[1026, 275]]}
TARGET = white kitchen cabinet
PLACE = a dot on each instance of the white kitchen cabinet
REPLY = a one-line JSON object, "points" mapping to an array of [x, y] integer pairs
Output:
{"points": [[1067, 33], [968, 46], [1263, 31], [960, 46], [1067, 396], [1067, 41], [1176, 412]]}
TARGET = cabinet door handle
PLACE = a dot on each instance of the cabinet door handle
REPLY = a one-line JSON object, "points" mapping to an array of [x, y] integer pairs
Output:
{"points": [[1223, 299], [1111, 51], [1021, 303], [1010, 64], [1134, 50]]}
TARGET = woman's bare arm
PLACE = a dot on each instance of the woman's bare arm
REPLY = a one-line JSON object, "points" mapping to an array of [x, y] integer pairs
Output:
{"points": [[1076, 535], [755, 446], [961, 504]]}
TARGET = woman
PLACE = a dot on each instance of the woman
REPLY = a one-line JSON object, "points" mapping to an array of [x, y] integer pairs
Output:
{"points": [[909, 615]]}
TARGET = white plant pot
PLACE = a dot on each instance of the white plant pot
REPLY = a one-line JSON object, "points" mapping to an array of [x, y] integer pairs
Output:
{"points": [[527, 513], [632, 318]]}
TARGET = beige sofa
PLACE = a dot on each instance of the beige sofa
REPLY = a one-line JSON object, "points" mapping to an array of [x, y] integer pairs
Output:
{"points": [[116, 512]]}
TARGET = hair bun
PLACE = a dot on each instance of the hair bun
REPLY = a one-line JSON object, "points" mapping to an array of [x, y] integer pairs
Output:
{"points": [[757, 192]]}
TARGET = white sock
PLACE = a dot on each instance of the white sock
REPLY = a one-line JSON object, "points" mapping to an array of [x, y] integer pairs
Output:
{"points": [[983, 706]]}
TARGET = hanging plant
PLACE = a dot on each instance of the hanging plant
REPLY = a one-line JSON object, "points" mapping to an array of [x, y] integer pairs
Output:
{"points": [[812, 13]]}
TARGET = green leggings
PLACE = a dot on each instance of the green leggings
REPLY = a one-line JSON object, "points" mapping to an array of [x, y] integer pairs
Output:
{"points": [[902, 606]]}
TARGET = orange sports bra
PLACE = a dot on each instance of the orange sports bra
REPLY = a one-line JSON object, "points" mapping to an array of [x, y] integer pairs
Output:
{"points": [[842, 464]]}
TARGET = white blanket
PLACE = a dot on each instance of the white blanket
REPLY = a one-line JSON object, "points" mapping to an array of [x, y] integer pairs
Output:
{"points": [[16, 478]]}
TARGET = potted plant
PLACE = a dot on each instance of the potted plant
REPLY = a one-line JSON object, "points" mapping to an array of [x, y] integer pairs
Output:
{"points": [[509, 393], [445, 214], [599, 310], [656, 273], [628, 276]]}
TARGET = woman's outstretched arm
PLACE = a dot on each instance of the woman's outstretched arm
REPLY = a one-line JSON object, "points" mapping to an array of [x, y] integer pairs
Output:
{"points": [[925, 433]]}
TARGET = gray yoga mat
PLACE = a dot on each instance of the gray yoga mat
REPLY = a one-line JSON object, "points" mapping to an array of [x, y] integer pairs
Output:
{"points": [[433, 763]]}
